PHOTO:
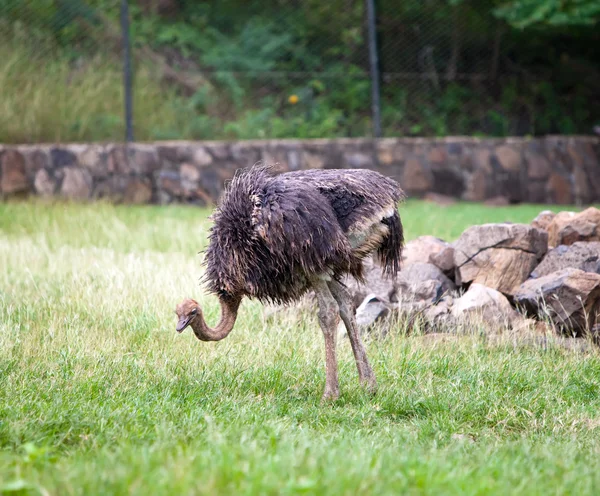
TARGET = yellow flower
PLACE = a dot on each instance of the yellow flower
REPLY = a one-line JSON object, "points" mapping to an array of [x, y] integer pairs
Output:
{"points": [[293, 99]]}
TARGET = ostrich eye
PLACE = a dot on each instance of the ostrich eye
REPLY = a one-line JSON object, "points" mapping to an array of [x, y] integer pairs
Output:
{"points": [[194, 311]]}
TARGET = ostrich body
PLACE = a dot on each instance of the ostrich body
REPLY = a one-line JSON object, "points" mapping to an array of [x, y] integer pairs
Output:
{"points": [[275, 237]]}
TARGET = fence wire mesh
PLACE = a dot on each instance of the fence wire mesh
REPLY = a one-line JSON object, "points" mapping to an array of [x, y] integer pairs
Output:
{"points": [[241, 69]]}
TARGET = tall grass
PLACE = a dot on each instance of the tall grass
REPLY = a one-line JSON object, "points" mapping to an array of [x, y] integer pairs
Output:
{"points": [[46, 97], [99, 395]]}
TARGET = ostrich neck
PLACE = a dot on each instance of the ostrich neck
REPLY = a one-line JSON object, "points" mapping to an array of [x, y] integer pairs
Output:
{"points": [[229, 309]]}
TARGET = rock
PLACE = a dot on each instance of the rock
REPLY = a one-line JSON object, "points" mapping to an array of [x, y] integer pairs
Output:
{"points": [[500, 256], [95, 159], [497, 201], [559, 189], [385, 151], [219, 151], [538, 166], [13, 175], [423, 282], [138, 191], [44, 183], [142, 159], [543, 220], [202, 158], [375, 284], [358, 161], [421, 249], [169, 182], [416, 177], [244, 153], [313, 161], [485, 303], [371, 311], [581, 255], [508, 158], [569, 297], [477, 186], [212, 181], [437, 155], [35, 160], [481, 159], [190, 177], [77, 183], [559, 219], [567, 228], [440, 312], [117, 160], [442, 200], [294, 160], [449, 182], [444, 260], [61, 157], [583, 190], [536, 192]]}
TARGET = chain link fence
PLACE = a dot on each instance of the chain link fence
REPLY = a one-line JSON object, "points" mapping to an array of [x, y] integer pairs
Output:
{"points": [[234, 69]]}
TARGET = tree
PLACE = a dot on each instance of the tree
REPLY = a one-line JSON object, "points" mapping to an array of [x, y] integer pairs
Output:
{"points": [[526, 13]]}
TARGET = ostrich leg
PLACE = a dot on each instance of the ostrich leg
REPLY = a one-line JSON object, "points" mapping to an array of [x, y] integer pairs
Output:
{"points": [[328, 318], [344, 300]]}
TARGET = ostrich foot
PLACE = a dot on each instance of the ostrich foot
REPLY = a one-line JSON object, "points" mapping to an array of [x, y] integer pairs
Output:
{"points": [[369, 383], [366, 376], [330, 394]]}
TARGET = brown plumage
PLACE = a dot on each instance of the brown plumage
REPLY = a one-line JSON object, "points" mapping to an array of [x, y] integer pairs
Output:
{"points": [[275, 237]]}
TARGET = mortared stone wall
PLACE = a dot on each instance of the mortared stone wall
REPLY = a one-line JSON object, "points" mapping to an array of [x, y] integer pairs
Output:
{"points": [[553, 169]]}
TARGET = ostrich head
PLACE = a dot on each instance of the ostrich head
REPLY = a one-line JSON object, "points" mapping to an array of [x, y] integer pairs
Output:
{"points": [[187, 311]]}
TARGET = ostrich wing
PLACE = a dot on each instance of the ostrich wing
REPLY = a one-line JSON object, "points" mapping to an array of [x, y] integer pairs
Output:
{"points": [[299, 227], [271, 236], [357, 196]]}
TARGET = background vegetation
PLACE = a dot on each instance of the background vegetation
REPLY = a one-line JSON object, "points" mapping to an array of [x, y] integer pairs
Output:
{"points": [[284, 68], [100, 395]]}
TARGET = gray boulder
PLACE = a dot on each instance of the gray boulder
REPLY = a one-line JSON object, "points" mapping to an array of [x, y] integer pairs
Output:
{"points": [[372, 311], [543, 219], [580, 255], [423, 282], [499, 256], [375, 284], [570, 298], [420, 250], [444, 260], [484, 303], [567, 228]]}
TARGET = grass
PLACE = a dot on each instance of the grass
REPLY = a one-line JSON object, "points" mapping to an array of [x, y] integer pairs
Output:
{"points": [[99, 395], [49, 98]]}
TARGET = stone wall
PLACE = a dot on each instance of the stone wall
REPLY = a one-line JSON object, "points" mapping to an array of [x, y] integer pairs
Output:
{"points": [[561, 170]]}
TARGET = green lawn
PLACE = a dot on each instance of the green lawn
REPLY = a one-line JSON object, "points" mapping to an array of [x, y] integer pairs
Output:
{"points": [[100, 395]]}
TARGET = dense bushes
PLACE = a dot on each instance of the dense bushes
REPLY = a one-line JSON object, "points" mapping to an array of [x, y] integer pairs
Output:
{"points": [[283, 68]]}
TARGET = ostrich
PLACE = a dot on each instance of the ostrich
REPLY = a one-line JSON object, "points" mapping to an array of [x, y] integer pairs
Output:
{"points": [[275, 237]]}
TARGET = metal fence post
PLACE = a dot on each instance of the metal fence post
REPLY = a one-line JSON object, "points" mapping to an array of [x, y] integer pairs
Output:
{"points": [[374, 66], [127, 76]]}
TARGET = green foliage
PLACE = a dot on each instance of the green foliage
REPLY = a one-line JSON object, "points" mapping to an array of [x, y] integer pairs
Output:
{"points": [[46, 100], [254, 55], [524, 13]]}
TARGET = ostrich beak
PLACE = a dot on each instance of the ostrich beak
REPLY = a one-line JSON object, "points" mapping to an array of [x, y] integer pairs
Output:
{"points": [[183, 323]]}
